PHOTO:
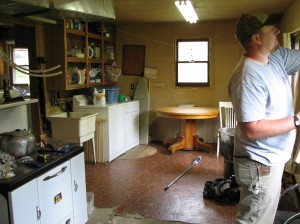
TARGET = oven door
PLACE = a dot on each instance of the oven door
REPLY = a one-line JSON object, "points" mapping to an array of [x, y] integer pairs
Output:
{"points": [[55, 195]]}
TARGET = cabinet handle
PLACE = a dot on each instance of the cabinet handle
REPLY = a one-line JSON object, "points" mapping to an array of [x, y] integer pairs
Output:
{"points": [[38, 213], [55, 175], [75, 186]]}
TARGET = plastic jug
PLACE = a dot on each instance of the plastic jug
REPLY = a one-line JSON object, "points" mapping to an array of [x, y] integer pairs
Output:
{"points": [[99, 97]]}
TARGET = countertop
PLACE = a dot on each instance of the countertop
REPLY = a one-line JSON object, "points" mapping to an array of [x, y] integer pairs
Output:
{"points": [[24, 174]]}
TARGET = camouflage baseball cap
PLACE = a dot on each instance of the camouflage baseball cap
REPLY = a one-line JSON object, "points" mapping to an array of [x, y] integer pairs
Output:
{"points": [[247, 24]]}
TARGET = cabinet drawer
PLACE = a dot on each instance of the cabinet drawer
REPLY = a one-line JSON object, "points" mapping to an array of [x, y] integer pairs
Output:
{"points": [[55, 195]]}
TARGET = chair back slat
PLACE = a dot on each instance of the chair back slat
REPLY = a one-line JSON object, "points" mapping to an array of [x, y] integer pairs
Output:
{"points": [[227, 119], [227, 115]]}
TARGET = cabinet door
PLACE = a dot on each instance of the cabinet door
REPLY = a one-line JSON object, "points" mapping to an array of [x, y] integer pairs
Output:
{"points": [[24, 204], [131, 129], [116, 131], [131, 123], [79, 189], [55, 195]]}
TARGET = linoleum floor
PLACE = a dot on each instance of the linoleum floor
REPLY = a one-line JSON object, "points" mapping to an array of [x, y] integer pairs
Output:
{"points": [[137, 186]]}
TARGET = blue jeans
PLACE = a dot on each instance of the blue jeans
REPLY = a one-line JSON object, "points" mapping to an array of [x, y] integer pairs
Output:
{"points": [[260, 188]]}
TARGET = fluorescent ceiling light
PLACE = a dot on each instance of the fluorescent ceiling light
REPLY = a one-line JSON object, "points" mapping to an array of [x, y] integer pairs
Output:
{"points": [[187, 10]]}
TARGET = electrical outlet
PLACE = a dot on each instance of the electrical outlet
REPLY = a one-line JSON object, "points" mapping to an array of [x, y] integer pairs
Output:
{"points": [[131, 86]]}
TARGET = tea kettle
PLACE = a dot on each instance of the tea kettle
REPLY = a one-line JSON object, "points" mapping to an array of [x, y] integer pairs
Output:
{"points": [[18, 143]]}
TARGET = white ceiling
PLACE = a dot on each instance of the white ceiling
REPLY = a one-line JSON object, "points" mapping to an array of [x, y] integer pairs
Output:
{"points": [[128, 11]]}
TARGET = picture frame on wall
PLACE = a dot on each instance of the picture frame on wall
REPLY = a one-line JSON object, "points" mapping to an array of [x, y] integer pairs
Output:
{"points": [[133, 60]]}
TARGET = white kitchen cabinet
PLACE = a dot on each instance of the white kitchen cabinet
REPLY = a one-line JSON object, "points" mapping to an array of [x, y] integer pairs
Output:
{"points": [[79, 189], [24, 204], [56, 196], [120, 128]]}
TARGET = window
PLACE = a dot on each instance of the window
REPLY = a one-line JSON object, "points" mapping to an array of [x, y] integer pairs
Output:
{"points": [[192, 62], [20, 57]]}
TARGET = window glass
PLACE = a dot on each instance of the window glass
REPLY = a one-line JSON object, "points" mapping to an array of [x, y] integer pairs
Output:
{"points": [[192, 62], [193, 51], [20, 57], [191, 72]]}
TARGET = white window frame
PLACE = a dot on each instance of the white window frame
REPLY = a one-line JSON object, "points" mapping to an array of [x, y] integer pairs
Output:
{"points": [[198, 65], [17, 77]]}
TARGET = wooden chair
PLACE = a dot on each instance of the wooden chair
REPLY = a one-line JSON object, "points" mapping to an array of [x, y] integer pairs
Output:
{"points": [[227, 119]]}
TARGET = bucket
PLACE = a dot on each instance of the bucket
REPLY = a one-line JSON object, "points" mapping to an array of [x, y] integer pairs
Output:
{"points": [[226, 136], [111, 93]]}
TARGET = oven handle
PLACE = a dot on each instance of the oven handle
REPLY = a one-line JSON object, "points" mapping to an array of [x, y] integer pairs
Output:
{"points": [[38, 213], [55, 175]]}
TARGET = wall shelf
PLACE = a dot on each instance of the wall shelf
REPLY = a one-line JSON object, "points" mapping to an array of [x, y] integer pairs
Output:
{"points": [[18, 103]]}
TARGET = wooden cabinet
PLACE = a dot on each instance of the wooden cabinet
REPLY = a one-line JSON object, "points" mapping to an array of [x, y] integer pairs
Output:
{"points": [[83, 54], [56, 196]]}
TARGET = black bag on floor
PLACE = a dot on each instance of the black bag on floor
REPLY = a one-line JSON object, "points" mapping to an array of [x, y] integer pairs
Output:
{"points": [[222, 191]]}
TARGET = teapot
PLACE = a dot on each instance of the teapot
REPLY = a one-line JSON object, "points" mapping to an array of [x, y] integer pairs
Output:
{"points": [[18, 143]]}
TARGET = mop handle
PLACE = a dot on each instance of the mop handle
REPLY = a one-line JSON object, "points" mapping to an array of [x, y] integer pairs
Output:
{"points": [[195, 162]]}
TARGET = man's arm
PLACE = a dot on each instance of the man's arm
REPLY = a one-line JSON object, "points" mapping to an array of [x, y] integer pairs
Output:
{"points": [[267, 128]]}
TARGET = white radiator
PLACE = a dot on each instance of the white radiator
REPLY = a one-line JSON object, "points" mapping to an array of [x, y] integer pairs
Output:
{"points": [[88, 152]]}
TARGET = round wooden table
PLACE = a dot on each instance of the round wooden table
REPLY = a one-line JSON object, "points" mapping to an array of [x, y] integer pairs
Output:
{"points": [[187, 138]]}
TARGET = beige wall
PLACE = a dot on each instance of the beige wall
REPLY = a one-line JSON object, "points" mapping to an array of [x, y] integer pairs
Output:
{"points": [[291, 20], [159, 41]]}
